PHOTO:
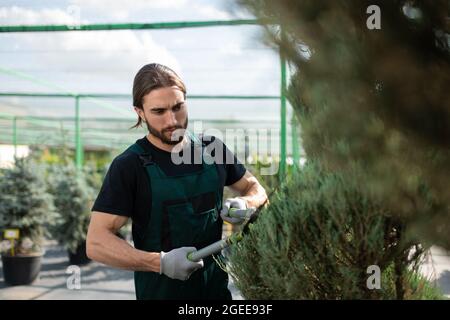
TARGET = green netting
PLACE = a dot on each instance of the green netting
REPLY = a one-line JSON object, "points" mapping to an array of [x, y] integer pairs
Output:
{"points": [[41, 87]]}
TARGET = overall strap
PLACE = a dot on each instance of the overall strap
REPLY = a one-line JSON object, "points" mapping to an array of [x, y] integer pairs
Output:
{"points": [[144, 156]]}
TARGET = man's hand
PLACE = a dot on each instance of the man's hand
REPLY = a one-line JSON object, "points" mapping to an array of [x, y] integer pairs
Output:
{"points": [[176, 265], [237, 203]]}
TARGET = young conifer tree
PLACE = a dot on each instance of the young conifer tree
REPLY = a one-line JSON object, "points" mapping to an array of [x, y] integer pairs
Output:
{"points": [[373, 109], [370, 86]]}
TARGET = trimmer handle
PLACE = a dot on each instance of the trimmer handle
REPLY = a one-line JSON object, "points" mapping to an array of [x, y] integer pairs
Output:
{"points": [[241, 213]]}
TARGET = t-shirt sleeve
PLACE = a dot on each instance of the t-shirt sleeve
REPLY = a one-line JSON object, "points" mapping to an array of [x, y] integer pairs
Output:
{"points": [[116, 195], [234, 169]]}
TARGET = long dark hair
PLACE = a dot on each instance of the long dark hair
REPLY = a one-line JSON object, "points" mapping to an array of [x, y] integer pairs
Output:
{"points": [[150, 77]]}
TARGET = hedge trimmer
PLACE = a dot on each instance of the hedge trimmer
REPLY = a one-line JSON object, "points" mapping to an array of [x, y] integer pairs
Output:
{"points": [[249, 216]]}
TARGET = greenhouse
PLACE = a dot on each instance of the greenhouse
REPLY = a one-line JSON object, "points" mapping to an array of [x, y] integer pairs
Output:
{"points": [[57, 113], [320, 159]]}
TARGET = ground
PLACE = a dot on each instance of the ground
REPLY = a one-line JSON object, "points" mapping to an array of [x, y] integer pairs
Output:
{"points": [[98, 282], [436, 267]]}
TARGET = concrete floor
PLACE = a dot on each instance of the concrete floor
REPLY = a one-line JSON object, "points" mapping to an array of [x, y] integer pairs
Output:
{"points": [[99, 282]]}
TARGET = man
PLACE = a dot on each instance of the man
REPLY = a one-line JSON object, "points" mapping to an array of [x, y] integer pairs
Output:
{"points": [[173, 206]]}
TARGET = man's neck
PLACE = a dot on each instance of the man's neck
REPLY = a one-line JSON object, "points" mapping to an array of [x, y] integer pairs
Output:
{"points": [[164, 146]]}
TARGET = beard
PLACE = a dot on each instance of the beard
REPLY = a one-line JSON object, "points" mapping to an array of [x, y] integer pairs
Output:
{"points": [[165, 136]]}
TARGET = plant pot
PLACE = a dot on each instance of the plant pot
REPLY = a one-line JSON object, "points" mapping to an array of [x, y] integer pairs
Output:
{"points": [[79, 257], [21, 269]]}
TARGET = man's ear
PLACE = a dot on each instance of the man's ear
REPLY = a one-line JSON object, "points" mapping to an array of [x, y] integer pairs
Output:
{"points": [[140, 113]]}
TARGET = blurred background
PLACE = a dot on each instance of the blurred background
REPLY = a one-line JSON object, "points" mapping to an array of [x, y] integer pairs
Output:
{"points": [[232, 77], [66, 108], [359, 88]]}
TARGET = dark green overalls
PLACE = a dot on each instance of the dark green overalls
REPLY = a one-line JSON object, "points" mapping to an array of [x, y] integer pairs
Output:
{"points": [[184, 213]]}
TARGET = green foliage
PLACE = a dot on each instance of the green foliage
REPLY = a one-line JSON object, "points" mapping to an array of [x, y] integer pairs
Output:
{"points": [[99, 159], [378, 98], [25, 204], [317, 239], [271, 181], [94, 176], [422, 289], [73, 199]]}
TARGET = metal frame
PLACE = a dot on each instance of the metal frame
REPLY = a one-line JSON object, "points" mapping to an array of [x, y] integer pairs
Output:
{"points": [[164, 25]]}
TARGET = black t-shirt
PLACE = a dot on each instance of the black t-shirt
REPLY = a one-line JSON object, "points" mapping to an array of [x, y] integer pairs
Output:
{"points": [[126, 189]]}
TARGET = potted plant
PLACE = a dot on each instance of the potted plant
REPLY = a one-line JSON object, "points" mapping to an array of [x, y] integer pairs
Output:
{"points": [[26, 208], [73, 199]]}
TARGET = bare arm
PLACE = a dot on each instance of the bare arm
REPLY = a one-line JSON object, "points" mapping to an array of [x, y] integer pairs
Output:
{"points": [[104, 246], [250, 190]]}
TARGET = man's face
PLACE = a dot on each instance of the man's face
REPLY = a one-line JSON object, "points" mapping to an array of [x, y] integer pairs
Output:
{"points": [[164, 112]]}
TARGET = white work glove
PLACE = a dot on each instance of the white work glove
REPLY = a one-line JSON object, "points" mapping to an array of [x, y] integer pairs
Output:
{"points": [[176, 265], [237, 203]]}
